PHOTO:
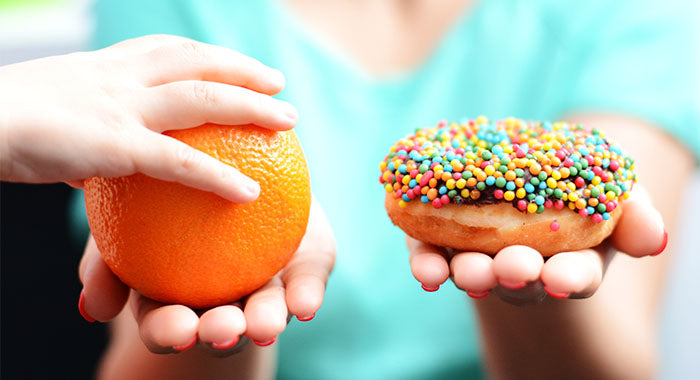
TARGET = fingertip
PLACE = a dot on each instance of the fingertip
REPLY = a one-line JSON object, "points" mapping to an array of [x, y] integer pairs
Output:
{"points": [[287, 117], [266, 312], [517, 265], [640, 230], [170, 327], [473, 272], [222, 326], [103, 295], [568, 273], [430, 269], [277, 81], [664, 243], [305, 296], [238, 188]]}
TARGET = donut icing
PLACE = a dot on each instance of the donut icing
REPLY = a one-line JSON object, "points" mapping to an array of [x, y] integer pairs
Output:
{"points": [[534, 165]]}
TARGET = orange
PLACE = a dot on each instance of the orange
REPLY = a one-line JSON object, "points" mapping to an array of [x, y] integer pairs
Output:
{"points": [[176, 244]]}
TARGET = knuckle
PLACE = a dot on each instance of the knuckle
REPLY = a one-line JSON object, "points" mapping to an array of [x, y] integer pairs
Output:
{"points": [[204, 93], [193, 51], [188, 159]]}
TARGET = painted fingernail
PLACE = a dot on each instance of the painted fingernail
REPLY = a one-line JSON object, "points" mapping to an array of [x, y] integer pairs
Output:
{"points": [[265, 343], [553, 294], [477, 295], [185, 347], [225, 345], [306, 319], [663, 245], [81, 307], [427, 289], [513, 285]]}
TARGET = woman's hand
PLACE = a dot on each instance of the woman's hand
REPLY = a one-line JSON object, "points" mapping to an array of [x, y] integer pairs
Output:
{"points": [[101, 113], [519, 274], [297, 289]]}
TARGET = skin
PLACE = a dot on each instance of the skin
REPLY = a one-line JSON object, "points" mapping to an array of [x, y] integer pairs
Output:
{"points": [[103, 113], [152, 328], [572, 338], [568, 338]]}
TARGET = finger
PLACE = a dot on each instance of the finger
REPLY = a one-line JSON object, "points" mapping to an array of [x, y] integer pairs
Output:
{"points": [[103, 295], [168, 159], [192, 60], [305, 280], [143, 44], [428, 264], [640, 231], [266, 313], [306, 275], [76, 184], [577, 274], [516, 266], [221, 327], [473, 272], [188, 104], [164, 328]]}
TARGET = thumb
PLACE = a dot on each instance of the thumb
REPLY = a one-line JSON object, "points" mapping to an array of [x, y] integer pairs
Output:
{"points": [[103, 295], [640, 231]]}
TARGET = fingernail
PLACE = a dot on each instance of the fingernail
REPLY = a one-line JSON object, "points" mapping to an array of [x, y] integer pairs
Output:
{"points": [[252, 187], [663, 245], [553, 294], [186, 346], [265, 343], [81, 307], [512, 285], [427, 289], [290, 112], [225, 345], [306, 319], [477, 295]]}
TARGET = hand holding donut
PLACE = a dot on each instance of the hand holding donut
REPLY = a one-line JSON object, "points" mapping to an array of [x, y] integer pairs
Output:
{"points": [[525, 207], [520, 275]]}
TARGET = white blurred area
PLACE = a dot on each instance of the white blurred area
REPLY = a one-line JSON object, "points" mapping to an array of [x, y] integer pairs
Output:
{"points": [[34, 29], [44, 28]]}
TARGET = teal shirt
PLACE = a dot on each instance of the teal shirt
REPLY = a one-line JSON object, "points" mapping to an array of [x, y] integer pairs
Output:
{"points": [[530, 59]]}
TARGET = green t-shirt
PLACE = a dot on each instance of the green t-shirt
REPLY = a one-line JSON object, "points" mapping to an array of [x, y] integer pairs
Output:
{"points": [[530, 59]]}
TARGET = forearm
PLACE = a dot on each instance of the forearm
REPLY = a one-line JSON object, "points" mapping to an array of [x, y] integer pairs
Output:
{"points": [[612, 334], [596, 338], [127, 358]]}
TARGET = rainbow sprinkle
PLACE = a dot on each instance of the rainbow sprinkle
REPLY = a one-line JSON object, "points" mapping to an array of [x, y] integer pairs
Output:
{"points": [[534, 165]]}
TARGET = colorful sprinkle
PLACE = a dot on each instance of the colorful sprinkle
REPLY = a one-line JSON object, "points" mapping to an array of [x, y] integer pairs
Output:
{"points": [[532, 165], [554, 226]]}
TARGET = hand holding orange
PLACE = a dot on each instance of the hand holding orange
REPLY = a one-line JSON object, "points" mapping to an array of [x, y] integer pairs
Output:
{"points": [[176, 244]]}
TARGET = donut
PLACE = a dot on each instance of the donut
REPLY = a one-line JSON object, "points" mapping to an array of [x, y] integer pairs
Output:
{"points": [[480, 186]]}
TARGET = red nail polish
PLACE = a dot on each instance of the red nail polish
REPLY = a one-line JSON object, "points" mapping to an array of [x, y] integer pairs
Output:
{"points": [[512, 285], [477, 295], [663, 245], [559, 295], [265, 343], [306, 319], [430, 289], [81, 307], [225, 345], [186, 346]]}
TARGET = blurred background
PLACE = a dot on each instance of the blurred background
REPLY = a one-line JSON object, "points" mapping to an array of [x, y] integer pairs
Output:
{"points": [[42, 334]]}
